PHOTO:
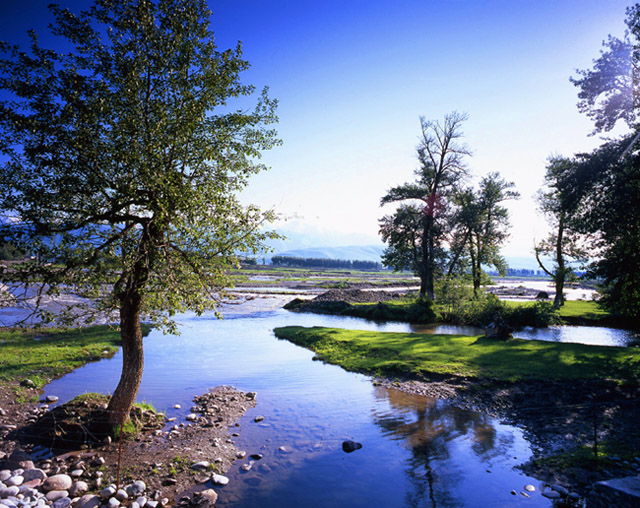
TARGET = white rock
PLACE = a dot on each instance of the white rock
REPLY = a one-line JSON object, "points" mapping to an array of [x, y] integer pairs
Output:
{"points": [[191, 417], [15, 480], [219, 479], [5, 474], [54, 495], [203, 464], [121, 495], [134, 504], [77, 473], [177, 406], [58, 482], [141, 501], [152, 504], [12, 491], [51, 399], [113, 503], [529, 488], [78, 488]]}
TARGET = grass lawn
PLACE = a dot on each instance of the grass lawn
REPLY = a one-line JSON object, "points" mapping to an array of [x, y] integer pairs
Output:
{"points": [[460, 355], [43, 355]]}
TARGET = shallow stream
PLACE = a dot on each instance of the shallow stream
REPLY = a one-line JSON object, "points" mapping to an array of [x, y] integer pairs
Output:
{"points": [[417, 452]]}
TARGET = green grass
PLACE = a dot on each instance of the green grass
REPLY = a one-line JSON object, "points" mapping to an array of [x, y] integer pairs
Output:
{"points": [[42, 355], [460, 355]]}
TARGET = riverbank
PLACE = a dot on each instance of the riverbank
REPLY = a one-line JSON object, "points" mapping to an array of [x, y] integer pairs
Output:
{"points": [[553, 391], [180, 460]]}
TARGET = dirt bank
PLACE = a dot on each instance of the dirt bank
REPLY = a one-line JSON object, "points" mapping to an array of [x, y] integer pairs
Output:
{"points": [[163, 457]]}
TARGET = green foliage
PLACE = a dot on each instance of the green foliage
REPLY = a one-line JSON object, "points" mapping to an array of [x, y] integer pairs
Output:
{"points": [[415, 232], [476, 357], [123, 157]]}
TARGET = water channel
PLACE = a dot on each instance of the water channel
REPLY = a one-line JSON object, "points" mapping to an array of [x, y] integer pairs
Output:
{"points": [[417, 452]]}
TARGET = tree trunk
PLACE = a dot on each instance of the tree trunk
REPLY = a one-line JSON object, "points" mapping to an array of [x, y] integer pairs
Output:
{"points": [[561, 271], [132, 360], [428, 259]]}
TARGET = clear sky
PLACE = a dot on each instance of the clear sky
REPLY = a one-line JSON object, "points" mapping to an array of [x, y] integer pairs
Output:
{"points": [[353, 77]]}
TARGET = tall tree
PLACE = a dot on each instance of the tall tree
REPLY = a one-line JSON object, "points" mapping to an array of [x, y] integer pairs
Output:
{"points": [[482, 224], [414, 233], [123, 160], [563, 244], [610, 91]]}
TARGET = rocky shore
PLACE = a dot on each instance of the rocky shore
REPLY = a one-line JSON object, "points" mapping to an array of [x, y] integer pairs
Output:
{"points": [[182, 462]]}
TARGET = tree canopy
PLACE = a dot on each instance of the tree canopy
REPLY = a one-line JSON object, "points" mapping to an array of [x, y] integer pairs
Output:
{"points": [[122, 160]]}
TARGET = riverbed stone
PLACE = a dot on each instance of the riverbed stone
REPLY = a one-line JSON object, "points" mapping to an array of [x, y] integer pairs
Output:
{"points": [[11, 491], [78, 488], [113, 502], [616, 492], [218, 479], [206, 498], [529, 488], [136, 488], [5, 474], [349, 446], [87, 501], [121, 495], [142, 501], [50, 399], [203, 464], [34, 474], [15, 480], [57, 482], [54, 495], [551, 494], [108, 491], [63, 502]]}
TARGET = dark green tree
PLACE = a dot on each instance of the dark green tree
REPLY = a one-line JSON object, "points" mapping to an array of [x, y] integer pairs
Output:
{"points": [[563, 244], [481, 226], [123, 158], [415, 233]]}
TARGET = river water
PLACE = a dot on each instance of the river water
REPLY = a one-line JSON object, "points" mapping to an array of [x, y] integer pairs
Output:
{"points": [[417, 452]]}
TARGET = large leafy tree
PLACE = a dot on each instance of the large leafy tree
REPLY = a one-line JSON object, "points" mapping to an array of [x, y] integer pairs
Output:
{"points": [[610, 91], [122, 161], [415, 232], [481, 226], [563, 244]]}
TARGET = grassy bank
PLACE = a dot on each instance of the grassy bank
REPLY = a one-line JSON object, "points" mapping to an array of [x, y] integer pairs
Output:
{"points": [[42, 355], [427, 355]]}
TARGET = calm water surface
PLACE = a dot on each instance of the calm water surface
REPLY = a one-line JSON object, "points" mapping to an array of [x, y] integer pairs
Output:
{"points": [[417, 452]]}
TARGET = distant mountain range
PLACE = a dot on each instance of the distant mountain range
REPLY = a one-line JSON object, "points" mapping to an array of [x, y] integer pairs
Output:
{"points": [[374, 253]]}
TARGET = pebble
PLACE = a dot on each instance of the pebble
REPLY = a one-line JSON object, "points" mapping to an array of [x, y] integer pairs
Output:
{"points": [[121, 495], [258, 418], [108, 491], [177, 406], [349, 446], [152, 504], [78, 489], [142, 501], [113, 502], [54, 495], [77, 473], [191, 417], [551, 494], [88, 501], [16, 480], [136, 488], [219, 479], [58, 482], [50, 399], [5, 474], [560, 489], [241, 455], [34, 474], [203, 464], [529, 488], [63, 502]]}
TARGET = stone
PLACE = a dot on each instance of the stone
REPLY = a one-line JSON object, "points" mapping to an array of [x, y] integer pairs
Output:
{"points": [[121, 495], [551, 494], [246, 467], [191, 417], [107, 440], [206, 498], [349, 446], [108, 491], [560, 489], [258, 418], [152, 504], [57, 482], [251, 395], [16, 480], [241, 455], [78, 488], [498, 329], [615, 492], [28, 383], [34, 474], [113, 502], [203, 464], [177, 406], [218, 479], [529, 488], [50, 399], [54, 495], [136, 488], [12, 491], [63, 502], [5, 474], [134, 504], [87, 501], [256, 456], [142, 501]]}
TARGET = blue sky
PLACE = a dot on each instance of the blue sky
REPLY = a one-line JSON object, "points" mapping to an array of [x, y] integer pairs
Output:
{"points": [[353, 77]]}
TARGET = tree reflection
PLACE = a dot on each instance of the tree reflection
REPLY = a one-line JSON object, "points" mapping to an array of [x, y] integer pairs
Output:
{"points": [[429, 428]]}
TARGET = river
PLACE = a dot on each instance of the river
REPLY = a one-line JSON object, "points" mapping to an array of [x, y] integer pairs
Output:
{"points": [[417, 452]]}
